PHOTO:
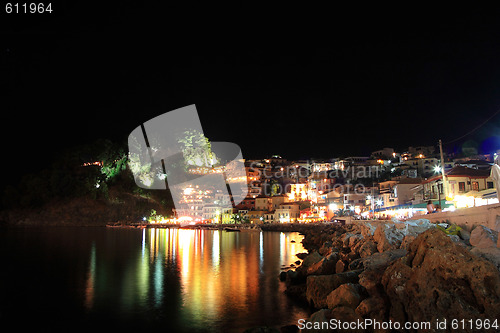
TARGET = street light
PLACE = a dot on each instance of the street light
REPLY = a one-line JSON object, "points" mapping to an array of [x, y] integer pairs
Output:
{"points": [[437, 169]]}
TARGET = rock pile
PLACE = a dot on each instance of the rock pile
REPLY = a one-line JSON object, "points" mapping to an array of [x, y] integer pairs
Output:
{"points": [[398, 271]]}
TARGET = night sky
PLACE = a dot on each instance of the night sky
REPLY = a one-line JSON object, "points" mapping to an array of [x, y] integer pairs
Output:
{"points": [[347, 86]]}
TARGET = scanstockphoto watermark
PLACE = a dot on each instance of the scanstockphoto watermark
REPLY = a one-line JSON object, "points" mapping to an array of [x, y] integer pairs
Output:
{"points": [[171, 152], [278, 189], [362, 325], [270, 181], [443, 324], [351, 172]]}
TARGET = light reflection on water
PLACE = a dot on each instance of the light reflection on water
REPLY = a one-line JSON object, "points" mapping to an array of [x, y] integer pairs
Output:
{"points": [[169, 280]]}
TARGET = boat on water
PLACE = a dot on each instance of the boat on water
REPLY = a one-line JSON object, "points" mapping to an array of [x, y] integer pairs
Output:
{"points": [[232, 229], [119, 225]]}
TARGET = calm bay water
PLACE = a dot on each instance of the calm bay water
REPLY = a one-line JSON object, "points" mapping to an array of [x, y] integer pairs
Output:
{"points": [[166, 280]]}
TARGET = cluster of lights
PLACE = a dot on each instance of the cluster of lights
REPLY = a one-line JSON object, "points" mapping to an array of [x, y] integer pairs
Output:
{"points": [[466, 201], [98, 163], [174, 220], [206, 170], [240, 179]]}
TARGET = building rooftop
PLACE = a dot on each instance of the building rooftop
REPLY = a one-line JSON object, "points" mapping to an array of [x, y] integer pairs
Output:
{"points": [[465, 171], [410, 181]]}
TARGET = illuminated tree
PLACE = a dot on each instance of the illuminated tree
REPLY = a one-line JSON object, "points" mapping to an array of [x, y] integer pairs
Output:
{"points": [[239, 218], [197, 149]]}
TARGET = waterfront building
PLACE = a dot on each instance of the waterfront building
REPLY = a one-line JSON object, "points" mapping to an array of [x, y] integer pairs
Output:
{"points": [[287, 212], [246, 204], [277, 200], [466, 187], [263, 203], [256, 216]]}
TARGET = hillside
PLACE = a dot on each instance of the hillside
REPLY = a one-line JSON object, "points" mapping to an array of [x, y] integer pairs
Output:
{"points": [[85, 211], [89, 185]]}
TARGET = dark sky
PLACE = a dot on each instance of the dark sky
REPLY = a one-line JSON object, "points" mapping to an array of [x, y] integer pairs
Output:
{"points": [[347, 86]]}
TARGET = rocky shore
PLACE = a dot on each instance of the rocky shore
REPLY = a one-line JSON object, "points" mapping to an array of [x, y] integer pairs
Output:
{"points": [[400, 272]]}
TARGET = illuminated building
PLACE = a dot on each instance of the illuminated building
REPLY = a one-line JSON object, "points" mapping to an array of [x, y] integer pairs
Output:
{"points": [[287, 212], [298, 192], [263, 203], [246, 204], [387, 193], [424, 165], [227, 214], [421, 150], [256, 216], [322, 166], [277, 200], [464, 185]]}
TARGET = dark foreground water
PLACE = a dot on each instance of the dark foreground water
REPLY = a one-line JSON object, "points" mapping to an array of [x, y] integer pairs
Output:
{"points": [[162, 280]]}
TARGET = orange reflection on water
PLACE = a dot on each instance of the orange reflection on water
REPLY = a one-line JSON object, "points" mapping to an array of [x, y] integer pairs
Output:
{"points": [[220, 274]]}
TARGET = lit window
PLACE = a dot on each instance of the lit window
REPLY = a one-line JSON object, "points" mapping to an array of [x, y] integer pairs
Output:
{"points": [[475, 186]]}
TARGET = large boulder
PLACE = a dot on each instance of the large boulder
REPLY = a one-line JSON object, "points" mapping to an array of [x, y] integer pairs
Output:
{"points": [[367, 229], [440, 279], [348, 294], [405, 243], [336, 320], [415, 227], [326, 248], [302, 255], [292, 277], [374, 267], [309, 261], [483, 237], [464, 234], [377, 260], [346, 239], [492, 254], [325, 266], [373, 307], [320, 286], [390, 235], [319, 321], [387, 237], [355, 239], [367, 249], [342, 318], [341, 266]]}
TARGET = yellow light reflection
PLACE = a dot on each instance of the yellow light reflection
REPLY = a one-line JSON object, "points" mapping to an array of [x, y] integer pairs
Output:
{"points": [[217, 270], [216, 251], [89, 288]]}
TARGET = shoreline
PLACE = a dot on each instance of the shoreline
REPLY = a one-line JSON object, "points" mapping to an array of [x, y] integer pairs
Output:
{"points": [[396, 271]]}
